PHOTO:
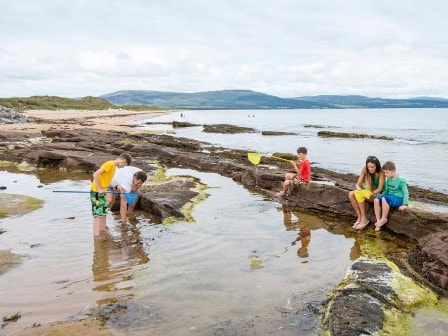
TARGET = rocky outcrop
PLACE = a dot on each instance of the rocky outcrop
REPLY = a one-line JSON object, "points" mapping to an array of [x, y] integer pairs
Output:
{"points": [[329, 134], [277, 133], [11, 116], [373, 296], [430, 258], [178, 124], [226, 128], [164, 200]]}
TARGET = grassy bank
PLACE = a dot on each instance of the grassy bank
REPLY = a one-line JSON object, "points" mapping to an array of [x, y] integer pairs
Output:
{"points": [[61, 103]]}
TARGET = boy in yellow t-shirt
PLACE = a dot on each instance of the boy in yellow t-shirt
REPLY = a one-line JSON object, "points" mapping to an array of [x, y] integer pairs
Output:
{"points": [[101, 180]]}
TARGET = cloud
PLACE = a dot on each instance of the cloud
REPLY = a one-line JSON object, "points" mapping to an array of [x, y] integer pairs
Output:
{"points": [[287, 48]]}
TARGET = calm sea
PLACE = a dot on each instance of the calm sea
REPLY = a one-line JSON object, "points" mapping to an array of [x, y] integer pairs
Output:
{"points": [[419, 148]]}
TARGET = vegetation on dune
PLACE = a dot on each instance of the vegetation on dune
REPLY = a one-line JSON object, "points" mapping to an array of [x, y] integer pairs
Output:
{"points": [[61, 103]]}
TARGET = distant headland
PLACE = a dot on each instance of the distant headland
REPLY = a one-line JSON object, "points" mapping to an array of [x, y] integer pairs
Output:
{"points": [[216, 100]]}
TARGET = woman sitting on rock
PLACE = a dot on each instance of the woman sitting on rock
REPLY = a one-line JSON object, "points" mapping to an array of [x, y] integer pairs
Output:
{"points": [[370, 184]]}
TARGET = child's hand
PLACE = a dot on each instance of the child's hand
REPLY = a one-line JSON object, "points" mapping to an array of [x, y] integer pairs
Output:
{"points": [[402, 207]]}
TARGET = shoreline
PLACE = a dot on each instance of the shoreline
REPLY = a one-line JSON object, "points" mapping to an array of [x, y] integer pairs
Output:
{"points": [[108, 120]]}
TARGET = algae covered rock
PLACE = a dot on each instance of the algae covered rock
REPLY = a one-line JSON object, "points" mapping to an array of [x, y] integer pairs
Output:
{"points": [[8, 260], [275, 133], [17, 205], [373, 297], [226, 128], [330, 134]]}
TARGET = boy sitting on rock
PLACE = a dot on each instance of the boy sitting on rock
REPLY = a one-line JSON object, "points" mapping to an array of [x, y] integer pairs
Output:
{"points": [[395, 195], [301, 175]]}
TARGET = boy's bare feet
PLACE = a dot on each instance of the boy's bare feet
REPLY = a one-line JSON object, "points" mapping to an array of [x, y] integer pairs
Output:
{"points": [[379, 224], [362, 225], [280, 194]]}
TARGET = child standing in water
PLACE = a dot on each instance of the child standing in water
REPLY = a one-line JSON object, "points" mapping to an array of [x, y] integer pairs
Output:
{"points": [[370, 184], [101, 181], [396, 195], [302, 172]]}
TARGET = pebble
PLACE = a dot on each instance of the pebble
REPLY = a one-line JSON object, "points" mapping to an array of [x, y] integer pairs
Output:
{"points": [[40, 186], [2, 188]]}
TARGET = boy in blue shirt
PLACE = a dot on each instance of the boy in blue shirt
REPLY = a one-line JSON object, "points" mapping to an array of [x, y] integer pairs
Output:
{"points": [[395, 195]]}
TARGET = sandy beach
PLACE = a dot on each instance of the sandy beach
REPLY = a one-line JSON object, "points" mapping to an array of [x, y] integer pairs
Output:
{"points": [[111, 119]]}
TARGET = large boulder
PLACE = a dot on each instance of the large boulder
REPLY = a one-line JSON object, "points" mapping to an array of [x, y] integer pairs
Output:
{"points": [[373, 296], [11, 116]]}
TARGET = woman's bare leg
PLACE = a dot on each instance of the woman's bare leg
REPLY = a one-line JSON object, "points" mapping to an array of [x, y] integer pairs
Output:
{"points": [[354, 203]]}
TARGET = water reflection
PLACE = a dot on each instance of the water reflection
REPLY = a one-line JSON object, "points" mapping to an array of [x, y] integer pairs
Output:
{"points": [[116, 254]]}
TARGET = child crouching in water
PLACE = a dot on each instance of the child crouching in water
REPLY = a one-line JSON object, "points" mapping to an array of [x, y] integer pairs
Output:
{"points": [[395, 195], [302, 173]]}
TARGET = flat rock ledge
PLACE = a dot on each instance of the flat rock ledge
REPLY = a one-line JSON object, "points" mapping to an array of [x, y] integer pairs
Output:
{"points": [[17, 205], [330, 134], [226, 128], [11, 116], [373, 296]]}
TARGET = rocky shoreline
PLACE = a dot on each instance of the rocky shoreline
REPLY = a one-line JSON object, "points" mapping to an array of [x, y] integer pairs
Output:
{"points": [[85, 149]]}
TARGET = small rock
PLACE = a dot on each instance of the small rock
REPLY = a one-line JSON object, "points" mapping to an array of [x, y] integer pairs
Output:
{"points": [[12, 318], [36, 245], [35, 325], [2, 188], [72, 217], [40, 186]]}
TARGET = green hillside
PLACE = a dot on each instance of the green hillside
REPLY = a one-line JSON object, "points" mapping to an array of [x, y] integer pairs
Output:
{"points": [[246, 99], [225, 99], [61, 103]]}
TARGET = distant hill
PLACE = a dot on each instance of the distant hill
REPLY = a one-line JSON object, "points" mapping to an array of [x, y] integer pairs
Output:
{"points": [[366, 102], [225, 99], [247, 99]]}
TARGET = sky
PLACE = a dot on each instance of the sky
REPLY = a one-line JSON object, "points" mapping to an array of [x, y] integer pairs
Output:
{"points": [[393, 49]]}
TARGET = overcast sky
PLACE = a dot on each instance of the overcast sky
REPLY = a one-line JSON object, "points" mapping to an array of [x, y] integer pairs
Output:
{"points": [[287, 48]]}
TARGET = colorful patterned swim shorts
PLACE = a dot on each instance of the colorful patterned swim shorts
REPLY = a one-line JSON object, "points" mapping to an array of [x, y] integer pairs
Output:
{"points": [[297, 180], [99, 204]]}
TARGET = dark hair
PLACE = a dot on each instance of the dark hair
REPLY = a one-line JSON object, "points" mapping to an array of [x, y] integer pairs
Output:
{"points": [[141, 176], [371, 177], [389, 165], [375, 161], [126, 157], [302, 150]]}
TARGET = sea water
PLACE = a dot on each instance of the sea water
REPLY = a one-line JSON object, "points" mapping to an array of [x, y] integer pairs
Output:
{"points": [[419, 148]]}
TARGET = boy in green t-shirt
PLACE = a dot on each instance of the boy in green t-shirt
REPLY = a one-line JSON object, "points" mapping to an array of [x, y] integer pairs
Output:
{"points": [[395, 195], [101, 180]]}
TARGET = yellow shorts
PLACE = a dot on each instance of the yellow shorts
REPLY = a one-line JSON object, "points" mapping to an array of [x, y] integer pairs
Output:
{"points": [[362, 195]]}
